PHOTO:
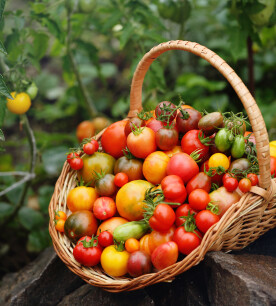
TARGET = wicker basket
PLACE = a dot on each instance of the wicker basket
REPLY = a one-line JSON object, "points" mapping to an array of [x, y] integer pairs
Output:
{"points": [[244, 221]]}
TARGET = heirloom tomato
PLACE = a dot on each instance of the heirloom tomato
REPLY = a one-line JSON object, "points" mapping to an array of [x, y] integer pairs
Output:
{"points": [[114, 261], [199, 181], [183, 211], [81, 198], [144, 244], [165, 255], [105, 185], [76, 163], [139, 263], [238, 147], [205, 219], [104, 208], [215, 178], [98, 162], [240, 164], [141, 143], [157, 238], [173, 189], [110, 224], [199, 199], [114, 139], [130, 166], [59, 225], [186, 241], [223, 140], [155, 125], [89, 148], [129, 199], [191, 142], [210, 123], [166, 138], [154, 167], [100, 123], [85, 129], [60, 215], [189, 121], [163, 218], [272, 148], [166, 110], [183, 165], [174, 150], [71, 156]]}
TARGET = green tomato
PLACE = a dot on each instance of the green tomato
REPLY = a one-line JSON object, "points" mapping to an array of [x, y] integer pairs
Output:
{"points": [[87, 6], [32, 91], [262, 18], [223, 140], [238, 147]]}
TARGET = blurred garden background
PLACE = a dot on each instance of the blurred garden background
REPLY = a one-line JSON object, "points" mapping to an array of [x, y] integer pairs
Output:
{"points": [[76, 59]]}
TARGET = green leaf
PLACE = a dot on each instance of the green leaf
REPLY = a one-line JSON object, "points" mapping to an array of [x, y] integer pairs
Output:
{"points": [[2, 137], [2, 110], [38, 7], [254, 8], [5, 210], [2, 6], [53, 159], [30, 218], [4, 89], [45, 194], [112, 20], [38, 240], [2, 48], [54, 28], [126, 34], [40, 45]]}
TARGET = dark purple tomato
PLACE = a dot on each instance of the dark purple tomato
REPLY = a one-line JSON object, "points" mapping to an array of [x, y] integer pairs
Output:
{"points": [[191, 123], [166, 139], [139, 263]]}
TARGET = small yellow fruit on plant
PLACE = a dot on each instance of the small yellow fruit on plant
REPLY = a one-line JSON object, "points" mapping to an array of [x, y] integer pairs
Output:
{"points": [[219, 159], [21, 103]]}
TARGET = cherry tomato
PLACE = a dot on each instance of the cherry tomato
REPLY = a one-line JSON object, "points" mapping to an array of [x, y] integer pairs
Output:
{"points": [[105, 239], [104, 208], [231, 184], [132, 245], [219, 159], [139, 263], [71, 156], [59, 225], [142, 144], [199, 181], [183, 211], [60, 215], [199, 199], [245, 185], [191, 123], [191, 142], [166, 138], [87, 251], [20, 104], [114, 139], [105, 185], [81, 198], [174, 189], [163, 218], [205, 219], [85, 129], [76, 163], [165, 255], [253, 178], [186, 241], [133, 123], [226, 176], [130, 166], [89, 148], [120, 179], [166, 110], [273, 165]]}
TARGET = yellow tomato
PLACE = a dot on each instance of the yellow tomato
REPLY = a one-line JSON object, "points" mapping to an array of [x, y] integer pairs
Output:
{"points": [[272, 146], [129, 199], [219, 159], [114, 262], [154, 167], [81, 198], [59, 225], [21, 103], [176, 149]]}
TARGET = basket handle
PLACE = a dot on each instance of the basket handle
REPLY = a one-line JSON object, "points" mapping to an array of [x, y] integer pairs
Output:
{"points": [[250, 105]]}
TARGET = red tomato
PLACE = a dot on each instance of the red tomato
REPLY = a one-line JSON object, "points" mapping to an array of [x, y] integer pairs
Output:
{"points": [[253, 178], [71, 156], [273, 165], [87, 252], [183, 211], [166, 138], [89, 148], [85, 129], [191, 142], [173, 189], [105, 239], [156, 238], [186, 241], [114, 139], [155, 125], [191, 123], [163, 218], [226, 176], [230, 184], [245, 185], [166, 110], [120, 179], [76, 163], [205, 219], [165, 255], [183, 165], [104, 208], [143, 144], [95, 143], [199, 199], [199, 181], [139, 263]]}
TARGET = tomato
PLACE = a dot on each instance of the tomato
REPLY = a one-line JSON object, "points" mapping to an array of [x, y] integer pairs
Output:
{"points": [[79, 224], [191, 123], [104, 208], [154, 167], [224, 199], [114, 262], [132, 245], [76, 163], [273, 165], [59, 225], [174, 150], [71, 156], [163, 218], [85, 129], [183, 165], [186, 241], [60, 215], [199, 199], [157, 238], [88, 148], [191, 142], [199, 181], [81, 198], [241, 164], [183, 211], [238, 147], [155, 125], [205, 219], [166, 111], [223, 140], [129, 199], [120, 179], [105, 239], [215, 177], [87, 252], [144, 244], [100, 123], [131, 167], [210, 123], [105, 185], [98, 162], [165, 255], [139, 263], [114, 139], [20, 104], [141, 144], [32, 90], [87, 6], [110, 224], [245, 185], [166, 138], [251, 137], [219, 159], [230, 184], [173, 189], [133, 123]]}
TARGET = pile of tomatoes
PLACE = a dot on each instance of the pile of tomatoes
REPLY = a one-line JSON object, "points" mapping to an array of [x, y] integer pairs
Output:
{"points": [[158, 183]]}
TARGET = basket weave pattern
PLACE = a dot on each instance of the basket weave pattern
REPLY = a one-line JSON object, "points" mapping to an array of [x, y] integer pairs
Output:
{"points": [[243, 222]]}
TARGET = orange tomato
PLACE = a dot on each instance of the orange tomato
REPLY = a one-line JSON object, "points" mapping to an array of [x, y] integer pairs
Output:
{"points": [[129, 199], [144, 244], [154, 167], [158, 238], [85, 129], [81, 198], [132, 245], [176, 149], [110, 224], [59, 225], [60, 215]]}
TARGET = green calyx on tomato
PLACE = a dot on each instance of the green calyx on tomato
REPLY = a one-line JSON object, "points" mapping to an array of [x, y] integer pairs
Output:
{"points": [[90, 243], [195, 155], [213, 208], [236, 123], [144, 115], [119, 246], [204, 140], [215, 170], [190, 224]]}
